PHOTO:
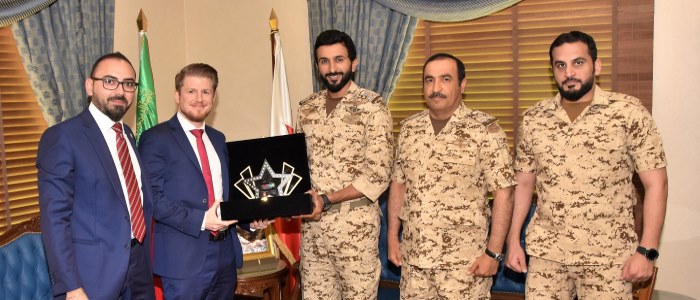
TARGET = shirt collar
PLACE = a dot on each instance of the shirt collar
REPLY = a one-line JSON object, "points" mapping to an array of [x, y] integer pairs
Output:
{"points": [[186, 124], [103, 121], [348, 94]]}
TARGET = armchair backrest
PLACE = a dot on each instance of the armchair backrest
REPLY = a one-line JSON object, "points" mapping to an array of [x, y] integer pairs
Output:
{"points": [[24, 273]]}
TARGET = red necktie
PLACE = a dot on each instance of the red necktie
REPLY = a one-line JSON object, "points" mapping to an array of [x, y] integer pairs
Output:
{"points": [[138, 225], [206, 170]]}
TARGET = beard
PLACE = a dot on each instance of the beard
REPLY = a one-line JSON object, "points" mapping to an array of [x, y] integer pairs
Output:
{"points": [[575, 95], [334, 88], [195, 117], [114, 113]]}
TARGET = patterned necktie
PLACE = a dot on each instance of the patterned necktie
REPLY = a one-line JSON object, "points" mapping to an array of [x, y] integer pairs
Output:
{"points": [[138, 225], [206, 170]]}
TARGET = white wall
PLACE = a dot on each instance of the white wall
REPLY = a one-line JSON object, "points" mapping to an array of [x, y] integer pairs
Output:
{"points": [[676, 111], [233, 37]]}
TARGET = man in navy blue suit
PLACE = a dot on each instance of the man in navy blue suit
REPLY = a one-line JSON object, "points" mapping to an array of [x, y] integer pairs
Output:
{"points": [[96, 208], [195, 253]]}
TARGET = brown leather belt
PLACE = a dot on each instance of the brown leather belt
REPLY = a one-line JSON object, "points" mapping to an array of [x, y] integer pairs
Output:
{"points": [[362, 202]]}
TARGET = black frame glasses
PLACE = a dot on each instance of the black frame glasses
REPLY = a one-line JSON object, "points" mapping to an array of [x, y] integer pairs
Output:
{"points": [[111, 83]]}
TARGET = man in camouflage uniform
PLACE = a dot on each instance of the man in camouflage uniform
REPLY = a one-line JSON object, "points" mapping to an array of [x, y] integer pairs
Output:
{"points": [[579, 149], [349, 143], [448, 158]]}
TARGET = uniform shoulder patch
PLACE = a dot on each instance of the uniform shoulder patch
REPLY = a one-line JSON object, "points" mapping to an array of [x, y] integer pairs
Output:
{"points": [[309, 98], [414, 117], [483, 118], [493, 127], [614, 96], [365, 95]]}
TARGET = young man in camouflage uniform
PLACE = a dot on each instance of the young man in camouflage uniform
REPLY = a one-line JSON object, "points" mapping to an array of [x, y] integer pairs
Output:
{"points": [[448, 158], [580, 149], [349, 143]]}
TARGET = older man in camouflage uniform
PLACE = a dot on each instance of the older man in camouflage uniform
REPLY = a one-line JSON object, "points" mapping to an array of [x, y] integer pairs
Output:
{"points": [[580, 149], [349, 142], [448, 158]]}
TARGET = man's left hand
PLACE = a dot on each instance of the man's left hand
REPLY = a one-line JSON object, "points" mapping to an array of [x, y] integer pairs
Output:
{"points": [[484, 266], [637, 268], [315, 215]]}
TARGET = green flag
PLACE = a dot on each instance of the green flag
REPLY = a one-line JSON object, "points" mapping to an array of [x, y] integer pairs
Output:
{"points": [[146, 113]]}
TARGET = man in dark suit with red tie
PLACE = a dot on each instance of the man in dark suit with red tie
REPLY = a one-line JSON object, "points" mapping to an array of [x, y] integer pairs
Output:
{"points": [[195, 253], [96, 208]]}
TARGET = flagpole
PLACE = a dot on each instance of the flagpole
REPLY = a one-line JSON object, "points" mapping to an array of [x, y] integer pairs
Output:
{"points": [[146, 109], [273, 30], [288, 232]]}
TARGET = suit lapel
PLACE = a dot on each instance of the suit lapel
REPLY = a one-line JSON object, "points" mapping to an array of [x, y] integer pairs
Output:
{"points": [[180, 137], [144, 184], [99, 144]]}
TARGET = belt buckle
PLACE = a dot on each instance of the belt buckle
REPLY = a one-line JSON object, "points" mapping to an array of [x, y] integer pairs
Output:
{"points": [[219, 237]]}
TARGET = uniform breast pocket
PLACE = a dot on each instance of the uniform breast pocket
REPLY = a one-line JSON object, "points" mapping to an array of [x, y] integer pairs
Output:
{"points": [[349, 142], [459, 162]]}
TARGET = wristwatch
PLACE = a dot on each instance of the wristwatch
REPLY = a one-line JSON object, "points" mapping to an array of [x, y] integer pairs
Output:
{"points": [[326, 202], [651, 254], [496, 256]]}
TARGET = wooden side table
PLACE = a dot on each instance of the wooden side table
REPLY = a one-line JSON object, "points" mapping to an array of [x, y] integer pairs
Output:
{"points": [[266, 285]]}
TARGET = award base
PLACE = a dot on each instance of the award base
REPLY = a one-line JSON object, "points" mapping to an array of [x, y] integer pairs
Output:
{"points": [[269, 208]]}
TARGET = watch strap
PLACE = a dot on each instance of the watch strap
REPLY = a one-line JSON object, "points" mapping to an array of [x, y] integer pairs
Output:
{"points": [[326, 202], [494, 255]]}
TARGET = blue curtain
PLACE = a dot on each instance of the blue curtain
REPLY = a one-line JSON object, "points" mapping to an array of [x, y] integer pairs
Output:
{"points": [[12, 11], [58, 47], [447, 10], [382, 37]]}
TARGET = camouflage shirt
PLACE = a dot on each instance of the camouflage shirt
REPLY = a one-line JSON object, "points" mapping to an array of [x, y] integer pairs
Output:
{"points": [[584, 176], [445, 212], [351, 145]]}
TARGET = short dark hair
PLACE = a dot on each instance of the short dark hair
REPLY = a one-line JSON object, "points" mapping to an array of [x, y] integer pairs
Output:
{"points": [[332, 37], [572, 37], [461, 70], [113, 55], [199, 70]]}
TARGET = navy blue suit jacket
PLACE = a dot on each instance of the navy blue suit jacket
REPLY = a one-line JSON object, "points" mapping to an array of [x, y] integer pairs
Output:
{"points": [[180, 198], [85, 222]]}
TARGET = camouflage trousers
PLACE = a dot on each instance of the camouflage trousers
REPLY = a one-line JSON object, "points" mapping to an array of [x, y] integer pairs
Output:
{"points": [[547, 279], [339, 255], [444, 284]]}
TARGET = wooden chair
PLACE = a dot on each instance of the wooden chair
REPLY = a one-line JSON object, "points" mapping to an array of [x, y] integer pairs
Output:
{"points": [[644, 290], [292, 292]]}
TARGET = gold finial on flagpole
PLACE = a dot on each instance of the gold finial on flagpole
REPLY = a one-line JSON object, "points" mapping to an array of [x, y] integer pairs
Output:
{"points": [[273, 21], [142, 21]]}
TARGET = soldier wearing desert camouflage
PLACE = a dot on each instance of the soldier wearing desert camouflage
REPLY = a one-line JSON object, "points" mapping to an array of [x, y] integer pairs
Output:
{"points": [[349, 144], [579, 150], [448, 158]]}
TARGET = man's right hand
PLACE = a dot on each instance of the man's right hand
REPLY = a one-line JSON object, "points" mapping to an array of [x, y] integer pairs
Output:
{"points": [[394, 249], [76, 294], [515, 257], [212, 222]]}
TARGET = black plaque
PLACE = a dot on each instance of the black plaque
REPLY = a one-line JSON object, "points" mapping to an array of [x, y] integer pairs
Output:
{"points": [[268, 178]]}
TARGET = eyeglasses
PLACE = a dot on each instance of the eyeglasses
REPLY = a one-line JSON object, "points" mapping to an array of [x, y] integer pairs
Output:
{"points": [[111, 83]]}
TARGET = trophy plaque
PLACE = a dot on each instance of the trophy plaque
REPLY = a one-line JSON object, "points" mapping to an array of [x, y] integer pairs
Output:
{"points": [[268, 178]]}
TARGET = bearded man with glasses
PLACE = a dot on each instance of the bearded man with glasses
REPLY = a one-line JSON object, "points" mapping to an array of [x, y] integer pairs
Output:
{"points": [[96, 207]]}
